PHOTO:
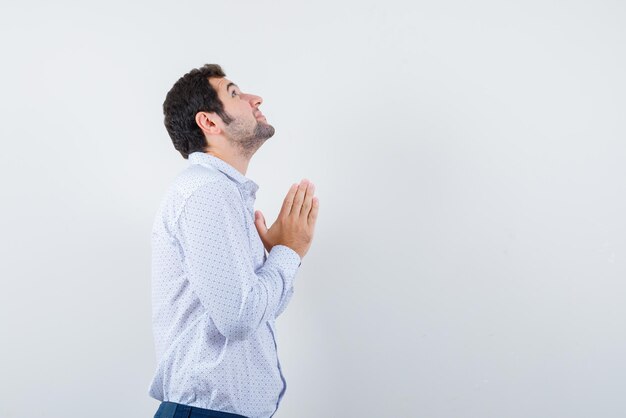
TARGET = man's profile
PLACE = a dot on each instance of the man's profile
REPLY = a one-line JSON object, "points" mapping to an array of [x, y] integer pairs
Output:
{"points": [[216, 292]]}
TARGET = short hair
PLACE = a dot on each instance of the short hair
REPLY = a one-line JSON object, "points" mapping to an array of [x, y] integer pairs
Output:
{"points": [[192, 93]]}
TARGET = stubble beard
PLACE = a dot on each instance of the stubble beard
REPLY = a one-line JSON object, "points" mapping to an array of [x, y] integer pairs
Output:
{"points": [[249, 140]]}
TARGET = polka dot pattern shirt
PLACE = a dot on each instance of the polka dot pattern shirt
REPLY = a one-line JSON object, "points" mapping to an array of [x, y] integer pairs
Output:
{"points": [[216, 294]]}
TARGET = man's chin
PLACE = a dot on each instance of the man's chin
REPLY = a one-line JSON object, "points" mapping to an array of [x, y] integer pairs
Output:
{"points": [[265, 130]]}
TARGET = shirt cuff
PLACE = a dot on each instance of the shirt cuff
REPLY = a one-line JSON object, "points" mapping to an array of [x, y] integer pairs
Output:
{"points": [[286, 261], [284, 255]]}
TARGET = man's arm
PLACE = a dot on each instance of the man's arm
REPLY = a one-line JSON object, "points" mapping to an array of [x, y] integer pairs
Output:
{"points": [[216, 247]]}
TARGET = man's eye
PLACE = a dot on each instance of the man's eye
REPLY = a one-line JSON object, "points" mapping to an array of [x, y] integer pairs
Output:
{"points": [[234, 92]]}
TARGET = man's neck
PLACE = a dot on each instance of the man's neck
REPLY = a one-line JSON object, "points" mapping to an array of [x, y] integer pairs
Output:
{"points": [[233, 158]]}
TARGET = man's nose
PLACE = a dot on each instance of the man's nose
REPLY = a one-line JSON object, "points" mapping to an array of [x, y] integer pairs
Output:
{"points": [[255, 100]]}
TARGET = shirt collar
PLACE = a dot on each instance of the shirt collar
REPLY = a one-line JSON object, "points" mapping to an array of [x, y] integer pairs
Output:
{"points": [[242, 181]]}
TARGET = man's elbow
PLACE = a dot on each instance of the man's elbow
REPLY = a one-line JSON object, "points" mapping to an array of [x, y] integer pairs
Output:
{"points": [[238, 330]]}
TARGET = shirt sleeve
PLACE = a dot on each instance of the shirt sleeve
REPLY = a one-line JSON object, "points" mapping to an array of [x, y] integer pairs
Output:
{"points": [[282, 255], [220, 267]]}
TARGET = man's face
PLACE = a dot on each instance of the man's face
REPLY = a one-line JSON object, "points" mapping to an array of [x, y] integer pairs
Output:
{"points": [[249, 128]]}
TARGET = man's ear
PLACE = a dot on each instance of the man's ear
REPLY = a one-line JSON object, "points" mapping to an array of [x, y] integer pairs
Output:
{"points": [[208, 123]]}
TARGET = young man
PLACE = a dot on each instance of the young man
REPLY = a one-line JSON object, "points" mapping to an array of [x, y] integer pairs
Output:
{"points": [[215, 291]]}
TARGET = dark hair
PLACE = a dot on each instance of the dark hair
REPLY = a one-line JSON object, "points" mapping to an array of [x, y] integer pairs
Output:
{"points": [[191, 94]]}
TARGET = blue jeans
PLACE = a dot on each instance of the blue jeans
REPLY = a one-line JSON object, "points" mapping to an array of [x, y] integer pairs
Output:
{"points": [[177, 410]]}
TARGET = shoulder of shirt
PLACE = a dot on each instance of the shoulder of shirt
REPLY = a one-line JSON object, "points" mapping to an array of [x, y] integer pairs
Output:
{"points": [[194, 177], [202, 179], [192, 180]]}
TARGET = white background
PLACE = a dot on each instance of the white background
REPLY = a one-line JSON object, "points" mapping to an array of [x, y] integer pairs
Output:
{"points": [[470, 253]]}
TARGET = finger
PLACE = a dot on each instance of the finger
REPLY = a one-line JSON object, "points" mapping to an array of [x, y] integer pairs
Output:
{"points": [[259, 221], [299, 198], [261, 227], [288, 202], [313, 213], [306, 204]]}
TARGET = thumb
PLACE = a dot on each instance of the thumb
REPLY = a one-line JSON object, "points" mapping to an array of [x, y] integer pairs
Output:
{"points": [[259, 222]]}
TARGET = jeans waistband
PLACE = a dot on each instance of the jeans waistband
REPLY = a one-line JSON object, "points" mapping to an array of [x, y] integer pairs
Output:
{"points": [[177, 410]]}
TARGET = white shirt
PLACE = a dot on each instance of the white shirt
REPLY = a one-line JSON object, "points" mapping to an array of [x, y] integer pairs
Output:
{"points": [[216, 294]]}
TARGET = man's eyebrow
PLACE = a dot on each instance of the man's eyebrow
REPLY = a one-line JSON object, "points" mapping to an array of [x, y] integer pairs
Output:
{"points": [[231, 84]]}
